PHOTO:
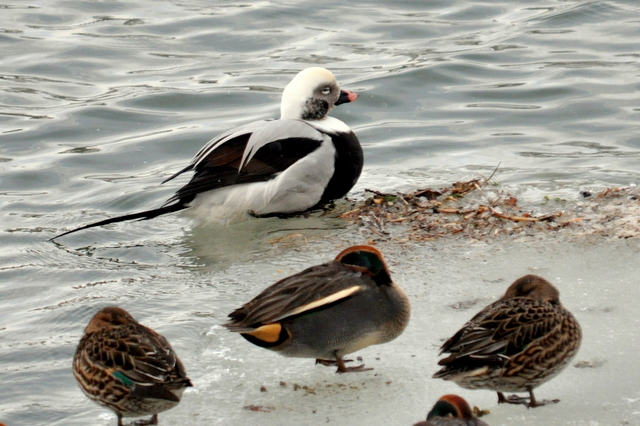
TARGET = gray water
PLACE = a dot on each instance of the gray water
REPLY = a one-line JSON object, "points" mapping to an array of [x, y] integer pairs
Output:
{"points": [[100, 101]]}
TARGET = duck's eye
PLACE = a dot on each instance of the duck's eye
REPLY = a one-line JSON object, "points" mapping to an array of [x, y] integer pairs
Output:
{"points": [[326, 90]]}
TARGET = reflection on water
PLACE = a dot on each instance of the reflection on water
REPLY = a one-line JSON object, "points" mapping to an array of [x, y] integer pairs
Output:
{"points": [[219, 247], [100, 101]]}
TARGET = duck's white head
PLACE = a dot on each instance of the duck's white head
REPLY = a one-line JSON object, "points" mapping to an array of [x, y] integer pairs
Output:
{"points": [[311, 95]]}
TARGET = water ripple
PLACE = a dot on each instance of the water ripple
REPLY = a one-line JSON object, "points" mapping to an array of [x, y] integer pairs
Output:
{"points": [[100, 101]]}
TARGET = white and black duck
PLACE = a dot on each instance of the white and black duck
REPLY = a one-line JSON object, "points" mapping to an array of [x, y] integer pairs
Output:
{"points": [[299, 162]]}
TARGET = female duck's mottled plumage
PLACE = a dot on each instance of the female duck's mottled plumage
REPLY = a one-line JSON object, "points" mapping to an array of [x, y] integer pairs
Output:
{"points": [[127, 367], [451, 410], [515, 344], [327, 311]]}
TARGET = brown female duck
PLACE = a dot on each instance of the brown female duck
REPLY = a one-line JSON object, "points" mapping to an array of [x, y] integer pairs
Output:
{"points": [[127, 367], [515, 344]]}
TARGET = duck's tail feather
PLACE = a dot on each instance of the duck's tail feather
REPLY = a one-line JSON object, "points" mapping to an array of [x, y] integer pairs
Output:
{"points": [[175, 175], [145, 215]]}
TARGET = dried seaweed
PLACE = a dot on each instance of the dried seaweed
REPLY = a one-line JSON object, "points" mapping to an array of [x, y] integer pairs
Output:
{"points": [[479, 210]]}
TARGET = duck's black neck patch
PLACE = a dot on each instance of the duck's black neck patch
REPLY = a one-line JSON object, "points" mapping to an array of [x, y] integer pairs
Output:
{"points": [[315, 109]]}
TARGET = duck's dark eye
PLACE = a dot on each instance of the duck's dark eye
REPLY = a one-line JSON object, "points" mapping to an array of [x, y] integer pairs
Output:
{"points": [[326, 90]]}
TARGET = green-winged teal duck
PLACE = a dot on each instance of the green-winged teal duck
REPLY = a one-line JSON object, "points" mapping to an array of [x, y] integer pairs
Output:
{"points": [[327, 311], [515, 344], [127, 367]]}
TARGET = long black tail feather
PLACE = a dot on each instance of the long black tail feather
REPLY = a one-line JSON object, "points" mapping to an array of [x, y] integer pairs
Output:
{"points": [[145, 215]]}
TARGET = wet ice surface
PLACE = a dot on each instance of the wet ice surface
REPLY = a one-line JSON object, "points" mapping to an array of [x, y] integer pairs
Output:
{"points": [[443, 275], [447, 282], [439, 278]]}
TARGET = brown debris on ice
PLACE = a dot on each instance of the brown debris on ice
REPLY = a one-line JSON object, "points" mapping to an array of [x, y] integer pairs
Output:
{"points": [[478, 209]]}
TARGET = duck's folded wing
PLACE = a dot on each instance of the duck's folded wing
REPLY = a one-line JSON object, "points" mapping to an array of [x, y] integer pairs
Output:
{"points": [[140, 360], [310, 289], [253, 153], [502, 330], [242, 132]]}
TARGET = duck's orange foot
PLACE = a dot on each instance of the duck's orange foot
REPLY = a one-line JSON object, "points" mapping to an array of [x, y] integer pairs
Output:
{"points": [[330, 362], [530, 402], [356, 369], [534, 403], [344, 369]]}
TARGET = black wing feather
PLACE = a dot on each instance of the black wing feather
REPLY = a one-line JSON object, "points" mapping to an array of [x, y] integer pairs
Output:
{"points": [[222, 167]]}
